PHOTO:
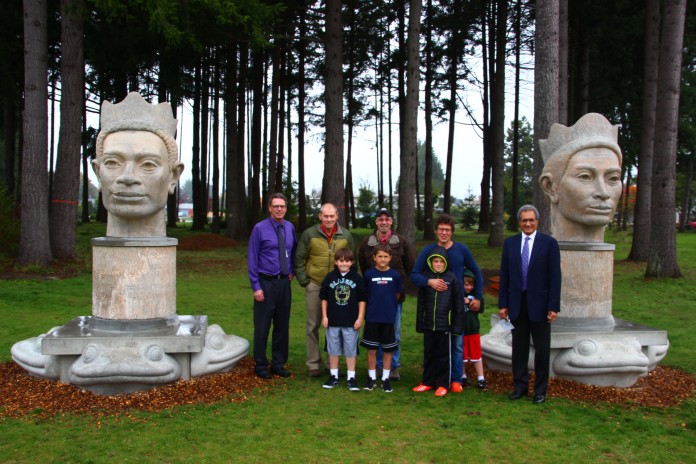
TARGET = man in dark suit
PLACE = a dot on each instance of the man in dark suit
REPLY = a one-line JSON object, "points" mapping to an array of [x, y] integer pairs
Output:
{"points": [[530, 297]]}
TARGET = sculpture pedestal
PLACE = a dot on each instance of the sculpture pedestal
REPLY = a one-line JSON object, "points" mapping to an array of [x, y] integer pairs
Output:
{"points": [[134, 278], [586, 292], [134, 340], [587, 344]]}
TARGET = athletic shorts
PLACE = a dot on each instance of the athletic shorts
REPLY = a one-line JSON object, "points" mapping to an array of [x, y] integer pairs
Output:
{"points": [[472, 348], [342, 341], [376, 334]]}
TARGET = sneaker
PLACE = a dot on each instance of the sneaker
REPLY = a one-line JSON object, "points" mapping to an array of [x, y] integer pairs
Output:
{"points": [[386, 386], [394, 374], [422, 388], [465, 382], [441, 391], [332, 382], [370, 384], [456, 387], [482, 384], [353, 385]]}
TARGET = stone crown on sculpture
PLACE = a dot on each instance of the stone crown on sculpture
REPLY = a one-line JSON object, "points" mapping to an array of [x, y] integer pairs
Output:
{"points": [[592, 130], [134, 113]]}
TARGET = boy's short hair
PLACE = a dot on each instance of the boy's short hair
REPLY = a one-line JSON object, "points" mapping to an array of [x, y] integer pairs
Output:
{"points": [[381, 247], [344, 254], [469, 280]]}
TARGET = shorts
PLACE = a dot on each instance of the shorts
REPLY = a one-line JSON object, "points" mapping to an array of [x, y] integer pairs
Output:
{"points": [[472, 348], [376, 334], [342, 341]]}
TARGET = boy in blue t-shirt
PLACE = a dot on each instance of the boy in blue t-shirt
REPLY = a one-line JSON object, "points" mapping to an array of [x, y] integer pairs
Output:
{"points": [[384, 288]]}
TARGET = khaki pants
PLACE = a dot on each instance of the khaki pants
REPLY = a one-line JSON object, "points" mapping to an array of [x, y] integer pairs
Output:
{"points": [[313, 302]]}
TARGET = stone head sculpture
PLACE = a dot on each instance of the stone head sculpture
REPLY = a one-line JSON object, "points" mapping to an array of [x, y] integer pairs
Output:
{"points": [[582, 177], [137, 165]]}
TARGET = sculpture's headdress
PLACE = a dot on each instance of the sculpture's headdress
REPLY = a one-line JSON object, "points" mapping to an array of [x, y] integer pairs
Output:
{"points": [[134, 113], [591, 131]]}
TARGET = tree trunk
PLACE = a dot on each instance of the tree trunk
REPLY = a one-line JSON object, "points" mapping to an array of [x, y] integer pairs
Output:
{"points": [[10, 128], [235, 108], [484, 211], [512, 222], [454, 56], [495, 236], [410, 127], [686, 201], [256, 133], [332, 184], [545, 92], [640, 246], [85, 165], [205, 137], [428, 232], [215, 225], [66, 185], [301, 98], [34, 244], [662, 260], [563, 62], [197, 182], [270, 188]]}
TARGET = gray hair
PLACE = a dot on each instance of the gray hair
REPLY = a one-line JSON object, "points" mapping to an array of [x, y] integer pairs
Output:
{"points": [[524, 209]]}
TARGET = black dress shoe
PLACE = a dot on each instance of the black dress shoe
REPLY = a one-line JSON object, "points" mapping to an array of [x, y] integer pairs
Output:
{"points": [[281, 371], [516, 395], [538, 399], [263, 373]]}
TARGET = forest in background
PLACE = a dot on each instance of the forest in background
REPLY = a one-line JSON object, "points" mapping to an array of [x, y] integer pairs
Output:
{"points": [[247, 68]]}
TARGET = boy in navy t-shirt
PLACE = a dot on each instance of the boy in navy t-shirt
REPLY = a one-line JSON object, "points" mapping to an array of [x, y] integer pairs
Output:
{"points": [[384, 287]]}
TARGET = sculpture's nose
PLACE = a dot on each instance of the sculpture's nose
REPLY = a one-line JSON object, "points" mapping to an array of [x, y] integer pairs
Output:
{"points": [[127, 176], [601, 191]]}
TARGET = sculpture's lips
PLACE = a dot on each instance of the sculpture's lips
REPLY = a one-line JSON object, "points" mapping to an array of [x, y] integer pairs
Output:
{"points": [[129, 195], [601, 209]]}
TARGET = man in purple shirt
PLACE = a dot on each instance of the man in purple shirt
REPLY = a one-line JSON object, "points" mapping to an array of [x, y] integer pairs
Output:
{"points": [[271, 248]]}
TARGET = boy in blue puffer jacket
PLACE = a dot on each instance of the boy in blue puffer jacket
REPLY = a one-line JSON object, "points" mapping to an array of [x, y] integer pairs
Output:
{"points": [[438, 315]]}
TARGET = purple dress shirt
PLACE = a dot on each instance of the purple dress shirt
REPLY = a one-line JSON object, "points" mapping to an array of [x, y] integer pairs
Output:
{"points": [[263, 249]]}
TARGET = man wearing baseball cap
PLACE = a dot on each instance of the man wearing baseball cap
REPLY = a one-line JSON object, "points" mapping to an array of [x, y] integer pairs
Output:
{"points": [[402, 258]]}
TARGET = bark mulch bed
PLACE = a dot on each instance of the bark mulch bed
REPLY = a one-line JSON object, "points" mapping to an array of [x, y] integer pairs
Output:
{"points": [[22, 395]]}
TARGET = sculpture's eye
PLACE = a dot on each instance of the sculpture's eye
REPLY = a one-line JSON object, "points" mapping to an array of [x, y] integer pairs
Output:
{"points": [[90, 353], [111, 163], [148, 165], [585, 347], [216, 342], [613, 179], [154, 353]]}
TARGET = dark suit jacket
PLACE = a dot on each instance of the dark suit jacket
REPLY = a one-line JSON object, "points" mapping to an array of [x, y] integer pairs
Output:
{"points": [[543, 277]]}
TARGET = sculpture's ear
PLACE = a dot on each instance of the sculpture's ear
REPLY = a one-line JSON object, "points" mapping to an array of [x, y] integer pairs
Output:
{"points": [[548, 187], [95, 167], [177, 170]]}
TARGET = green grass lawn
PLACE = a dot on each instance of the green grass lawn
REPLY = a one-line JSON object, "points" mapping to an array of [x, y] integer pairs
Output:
{"points": [[298, 421]]}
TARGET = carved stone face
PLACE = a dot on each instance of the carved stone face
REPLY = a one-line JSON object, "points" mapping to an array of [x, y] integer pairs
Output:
{"points": [[134, 174], [585, 198]]}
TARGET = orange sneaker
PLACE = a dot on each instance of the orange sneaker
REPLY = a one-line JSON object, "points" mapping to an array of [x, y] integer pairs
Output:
{"points": [[441, 391], [422, 388], [456, 387]]}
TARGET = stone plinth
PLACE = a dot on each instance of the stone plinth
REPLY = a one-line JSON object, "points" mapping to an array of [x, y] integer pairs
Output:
{"points": [[616, 357], [134, 278], [586, 293]]}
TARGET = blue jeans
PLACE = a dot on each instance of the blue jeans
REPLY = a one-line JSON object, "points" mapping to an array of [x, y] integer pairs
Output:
{"points": [[457, 358], [395, 354]]}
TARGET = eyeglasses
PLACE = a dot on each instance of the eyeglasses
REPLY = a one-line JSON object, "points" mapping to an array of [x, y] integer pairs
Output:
{"points": [[278, 206], [444, 229]]}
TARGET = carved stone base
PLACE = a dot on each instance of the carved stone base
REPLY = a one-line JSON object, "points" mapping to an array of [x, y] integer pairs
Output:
{"points": [[109, 362], [615, 357]]}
